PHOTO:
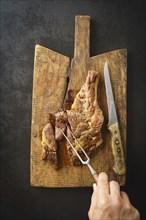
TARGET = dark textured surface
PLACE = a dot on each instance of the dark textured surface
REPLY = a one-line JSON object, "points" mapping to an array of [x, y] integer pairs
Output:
{"points": [[114, 25]]}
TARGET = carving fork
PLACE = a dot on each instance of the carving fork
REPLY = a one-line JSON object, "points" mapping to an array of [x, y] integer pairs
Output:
{"points": [[84, 162]]}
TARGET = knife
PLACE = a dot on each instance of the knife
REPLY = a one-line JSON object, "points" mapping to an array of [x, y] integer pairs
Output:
{"points": [[113, 126]]}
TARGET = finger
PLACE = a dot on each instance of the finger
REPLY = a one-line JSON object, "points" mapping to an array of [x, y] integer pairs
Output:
{"points": [[128, 208], [125, 197], [126, 200], [94, 186], [136, 214], [103, 185], [114, 188], [94, 196]]}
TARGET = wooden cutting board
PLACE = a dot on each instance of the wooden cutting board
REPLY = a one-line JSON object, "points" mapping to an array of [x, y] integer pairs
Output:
{"points": [[51, 73]]}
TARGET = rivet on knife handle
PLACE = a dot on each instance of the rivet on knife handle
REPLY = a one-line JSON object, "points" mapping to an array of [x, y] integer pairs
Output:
{"points": [[117, 149]]}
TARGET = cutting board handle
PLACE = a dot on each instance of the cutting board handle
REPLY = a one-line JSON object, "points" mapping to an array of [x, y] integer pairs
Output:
{"points": [[82, 37]]}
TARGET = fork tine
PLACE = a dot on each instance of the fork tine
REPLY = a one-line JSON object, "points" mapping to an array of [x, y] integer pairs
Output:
{"points": [[79, 145], [86, 162], [82, 161]]}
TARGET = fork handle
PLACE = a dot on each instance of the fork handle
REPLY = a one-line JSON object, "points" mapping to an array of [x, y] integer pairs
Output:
{"points": [[93, 172]]}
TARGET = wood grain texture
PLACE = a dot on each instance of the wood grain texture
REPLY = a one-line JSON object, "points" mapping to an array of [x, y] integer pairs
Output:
{"points": [[50, 79], [49, 86], [80, 63]]}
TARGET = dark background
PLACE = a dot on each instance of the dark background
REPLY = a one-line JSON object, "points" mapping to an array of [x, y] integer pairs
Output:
{"points": [[114, 25]]}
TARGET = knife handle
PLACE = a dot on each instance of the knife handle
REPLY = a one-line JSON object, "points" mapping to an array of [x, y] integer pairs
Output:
{"points": [[117, 149]]}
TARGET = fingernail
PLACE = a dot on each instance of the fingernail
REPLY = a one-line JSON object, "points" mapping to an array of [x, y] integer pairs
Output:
{"points": [[103, 175]]}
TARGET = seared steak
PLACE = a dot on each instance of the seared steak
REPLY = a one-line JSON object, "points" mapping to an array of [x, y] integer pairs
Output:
{"points": [[84, 119]]}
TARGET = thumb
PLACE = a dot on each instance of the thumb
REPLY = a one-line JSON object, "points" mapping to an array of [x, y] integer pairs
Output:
{"points": [[94, 186]]}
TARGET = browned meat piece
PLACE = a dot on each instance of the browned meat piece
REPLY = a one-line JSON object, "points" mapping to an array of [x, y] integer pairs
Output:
{"points": [[85, 118], [60, 122], [49, 143]]}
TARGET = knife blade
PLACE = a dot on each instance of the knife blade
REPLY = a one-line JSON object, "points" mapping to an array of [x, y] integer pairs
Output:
{"points": [[113, 126]]}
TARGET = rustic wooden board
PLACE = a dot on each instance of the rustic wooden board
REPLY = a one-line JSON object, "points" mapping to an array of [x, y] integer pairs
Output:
{"points": [[49, 86]]}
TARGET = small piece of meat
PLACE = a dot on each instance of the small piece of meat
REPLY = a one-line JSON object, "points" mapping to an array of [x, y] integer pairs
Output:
{"points": [[85, 118], [60, 122], [49, 144]]}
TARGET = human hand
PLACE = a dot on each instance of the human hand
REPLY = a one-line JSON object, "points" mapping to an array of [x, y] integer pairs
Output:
{"points": [[108, 203]]}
